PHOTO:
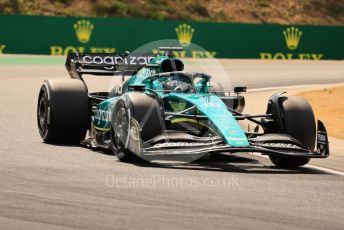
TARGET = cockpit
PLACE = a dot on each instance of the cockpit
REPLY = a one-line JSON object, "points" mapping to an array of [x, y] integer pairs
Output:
{"points": [[173, 82], [176, 83]]}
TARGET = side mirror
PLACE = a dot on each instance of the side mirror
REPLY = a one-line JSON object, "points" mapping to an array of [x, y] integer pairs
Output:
{"points": [[137, 88], [240, 89]]}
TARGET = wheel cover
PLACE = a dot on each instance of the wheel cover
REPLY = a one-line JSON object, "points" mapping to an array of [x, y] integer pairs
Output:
{"points": [[42, 113], [121, 126]]}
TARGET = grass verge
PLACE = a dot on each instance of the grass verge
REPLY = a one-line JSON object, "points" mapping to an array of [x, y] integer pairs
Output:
{"points": [[328, 106]]}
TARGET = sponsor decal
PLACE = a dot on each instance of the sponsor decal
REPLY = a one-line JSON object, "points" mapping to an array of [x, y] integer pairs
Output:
{"points": [[208, 104], [292, 37], [102, 115], [211, 105], [2, 48], [184, 34], [180, 144], [322, 144], [189, 53], [280, 145], [116, 60], [144, 72], [83, 32], [322, 138], [57, 50], [177, 105]]}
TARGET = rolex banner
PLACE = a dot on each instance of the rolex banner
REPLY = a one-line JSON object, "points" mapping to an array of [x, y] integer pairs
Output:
{"points": [[61, 35]]}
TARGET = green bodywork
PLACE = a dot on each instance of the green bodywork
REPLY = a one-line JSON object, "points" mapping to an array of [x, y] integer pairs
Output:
{"points": [[219, 118]]}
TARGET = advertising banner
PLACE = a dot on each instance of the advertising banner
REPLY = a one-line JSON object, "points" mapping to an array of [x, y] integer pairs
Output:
{"points": [[60, 35]]}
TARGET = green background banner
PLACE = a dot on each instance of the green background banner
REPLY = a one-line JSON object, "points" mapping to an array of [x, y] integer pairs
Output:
{"points": [[60, 35]]}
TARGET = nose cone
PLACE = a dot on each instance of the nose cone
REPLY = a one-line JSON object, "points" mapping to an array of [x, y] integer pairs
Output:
{"points": [[219, 116]]}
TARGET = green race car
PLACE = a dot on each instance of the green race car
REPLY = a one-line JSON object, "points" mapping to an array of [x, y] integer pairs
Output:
{"points": [[163, 114]]}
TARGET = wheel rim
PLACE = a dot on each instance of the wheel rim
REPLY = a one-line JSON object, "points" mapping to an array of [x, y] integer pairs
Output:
{"points": [[121, 125], [42, 113]]}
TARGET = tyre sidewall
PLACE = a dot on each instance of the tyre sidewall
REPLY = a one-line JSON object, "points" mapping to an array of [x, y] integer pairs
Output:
{"points": [[68, 116]]}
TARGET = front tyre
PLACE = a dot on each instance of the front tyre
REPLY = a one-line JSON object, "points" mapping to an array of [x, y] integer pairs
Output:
{"points": [[118, 137], [146, 111], [283, 162], [299, 122], [62, 111]]}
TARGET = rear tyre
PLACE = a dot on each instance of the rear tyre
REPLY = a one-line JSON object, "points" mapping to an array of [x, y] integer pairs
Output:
{"points": [[146, 111], [62, 111], [299, 122]]}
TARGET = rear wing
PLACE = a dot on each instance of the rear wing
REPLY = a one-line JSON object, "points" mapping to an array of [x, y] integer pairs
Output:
{"points": [[113, 64]]}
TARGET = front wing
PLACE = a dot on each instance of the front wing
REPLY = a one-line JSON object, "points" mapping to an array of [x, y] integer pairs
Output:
{"points": [[176, 144]]}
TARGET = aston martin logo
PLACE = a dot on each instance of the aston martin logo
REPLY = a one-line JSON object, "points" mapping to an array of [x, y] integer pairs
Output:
{"points": [[292, 37], [83, 30], [178, 106], [184, 33]]}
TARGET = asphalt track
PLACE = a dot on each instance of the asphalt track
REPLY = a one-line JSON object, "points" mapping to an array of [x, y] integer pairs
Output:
{"points": [[68, 187]]}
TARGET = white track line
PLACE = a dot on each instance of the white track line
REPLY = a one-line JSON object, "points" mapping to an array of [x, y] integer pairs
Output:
{"points": [[281, 87], [331, 171], [327, 170]]}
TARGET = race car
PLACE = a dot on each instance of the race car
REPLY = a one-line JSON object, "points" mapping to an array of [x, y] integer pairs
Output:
{"points": [[160, 113]]}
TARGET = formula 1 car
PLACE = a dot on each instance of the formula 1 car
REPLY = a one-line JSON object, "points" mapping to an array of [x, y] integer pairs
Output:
{"points": [[163, 113]]}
